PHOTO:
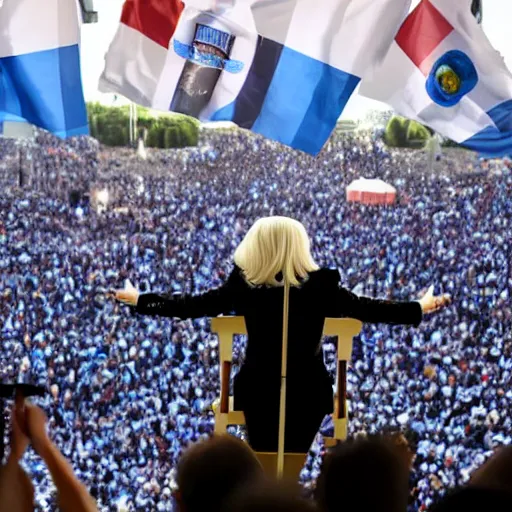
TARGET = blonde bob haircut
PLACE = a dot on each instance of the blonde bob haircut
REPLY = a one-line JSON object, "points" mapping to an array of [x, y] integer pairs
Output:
{"points": [[275, 245]]}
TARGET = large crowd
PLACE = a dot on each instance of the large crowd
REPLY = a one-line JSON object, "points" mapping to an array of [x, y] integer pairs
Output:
{"points": [[128, 393]]}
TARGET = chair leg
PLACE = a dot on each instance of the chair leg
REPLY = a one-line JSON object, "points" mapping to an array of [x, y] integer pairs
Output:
{"points": [[221, 423]]}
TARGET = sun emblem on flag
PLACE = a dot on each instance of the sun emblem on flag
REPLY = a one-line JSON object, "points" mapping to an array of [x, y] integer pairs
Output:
{"points": [[452, 77], [448, 79]]}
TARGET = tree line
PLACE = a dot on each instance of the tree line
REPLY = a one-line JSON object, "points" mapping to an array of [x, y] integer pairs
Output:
{"points": [[111, 127], [406, 133]]}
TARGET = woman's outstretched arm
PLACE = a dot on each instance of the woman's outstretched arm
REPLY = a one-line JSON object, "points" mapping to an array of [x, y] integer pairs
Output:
{"points": [[210, 304], [376, 311]]}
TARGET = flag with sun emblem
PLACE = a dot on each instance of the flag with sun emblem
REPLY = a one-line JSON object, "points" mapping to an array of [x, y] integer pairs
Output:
{"points": [[442, 71]]}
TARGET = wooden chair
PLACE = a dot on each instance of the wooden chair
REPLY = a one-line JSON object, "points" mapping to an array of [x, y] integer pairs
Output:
{"points": [[345, 329]]}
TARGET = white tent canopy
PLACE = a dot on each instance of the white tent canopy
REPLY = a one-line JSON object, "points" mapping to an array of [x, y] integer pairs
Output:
{"points": [[371, 191]]}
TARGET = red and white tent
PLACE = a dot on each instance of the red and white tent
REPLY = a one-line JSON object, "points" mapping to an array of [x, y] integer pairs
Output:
{"points": [[372, 191]]}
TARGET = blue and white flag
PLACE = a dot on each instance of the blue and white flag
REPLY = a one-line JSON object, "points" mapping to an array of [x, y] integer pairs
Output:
{"points": [[442, 71], [282, 68], [40, 80]]}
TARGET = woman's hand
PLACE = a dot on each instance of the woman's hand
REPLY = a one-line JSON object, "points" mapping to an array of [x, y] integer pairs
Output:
{"points": [[129, 295], [430, 303]]}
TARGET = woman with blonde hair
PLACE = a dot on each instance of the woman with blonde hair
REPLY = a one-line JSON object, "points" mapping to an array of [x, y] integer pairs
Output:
{"points": [[275, 250]]}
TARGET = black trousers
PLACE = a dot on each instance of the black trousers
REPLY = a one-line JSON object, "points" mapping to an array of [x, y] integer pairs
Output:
{"points": [[301, 427]]}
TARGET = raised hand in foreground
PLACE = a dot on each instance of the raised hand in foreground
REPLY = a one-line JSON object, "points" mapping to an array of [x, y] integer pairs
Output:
{"points": [[72, 494], [16, 489]]}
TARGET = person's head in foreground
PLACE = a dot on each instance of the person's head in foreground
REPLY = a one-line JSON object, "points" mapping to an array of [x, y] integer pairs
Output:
{"points": [[473, 499], [272, 246], [496, 473], [369, 471], [404, 445], [209, 471], [490, 487], [268, 496]]}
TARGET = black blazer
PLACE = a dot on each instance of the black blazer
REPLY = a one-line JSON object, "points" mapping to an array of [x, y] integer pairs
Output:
{"points": [[320, 296]]}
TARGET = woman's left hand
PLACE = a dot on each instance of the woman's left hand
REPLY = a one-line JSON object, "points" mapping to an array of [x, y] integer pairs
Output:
{"points": [[430, 303], [129, 295]]}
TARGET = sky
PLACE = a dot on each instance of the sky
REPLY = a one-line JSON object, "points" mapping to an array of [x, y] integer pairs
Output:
{"points": [[97, 37]]}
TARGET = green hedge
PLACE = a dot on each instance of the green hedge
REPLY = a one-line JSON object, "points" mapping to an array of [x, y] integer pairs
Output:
{"points": [[111, 127], [404, 133], [346, 125]]}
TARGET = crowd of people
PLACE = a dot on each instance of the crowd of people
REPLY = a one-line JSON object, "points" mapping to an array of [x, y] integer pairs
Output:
{"points": [[223, 474], [128, 393]]}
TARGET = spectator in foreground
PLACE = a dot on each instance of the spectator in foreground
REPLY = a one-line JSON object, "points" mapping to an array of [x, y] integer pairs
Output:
{"points": [[209, 471], [29, 427], [490, 487], [404, 446], [268, 496], [496, 473], [16, 489], [371, 472], [473, 499]]}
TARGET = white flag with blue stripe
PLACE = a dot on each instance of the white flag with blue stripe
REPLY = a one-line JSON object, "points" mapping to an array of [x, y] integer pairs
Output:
{"points": [[282, 68], [40, 80], [442, 71]]}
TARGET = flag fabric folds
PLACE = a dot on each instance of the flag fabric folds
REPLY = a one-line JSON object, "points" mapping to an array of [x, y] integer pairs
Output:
{"points": [[40, 80], [284, 69], [136, 59], [442, 71]]}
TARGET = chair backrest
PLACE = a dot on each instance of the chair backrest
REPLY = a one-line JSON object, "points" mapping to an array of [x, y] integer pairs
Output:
{"points": [[345, 329]]}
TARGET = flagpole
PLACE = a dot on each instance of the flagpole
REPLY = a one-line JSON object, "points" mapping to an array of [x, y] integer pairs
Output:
{"points": [[131, 124], [135, 114], [284, 366]]}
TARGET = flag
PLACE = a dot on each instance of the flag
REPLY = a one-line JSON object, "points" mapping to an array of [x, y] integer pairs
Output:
{"points": [[136, 58], [282, 68], [442, 71], [40, 81]]}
